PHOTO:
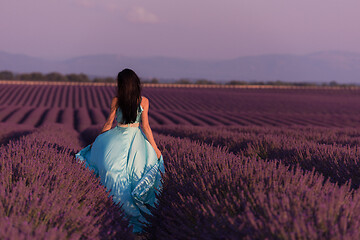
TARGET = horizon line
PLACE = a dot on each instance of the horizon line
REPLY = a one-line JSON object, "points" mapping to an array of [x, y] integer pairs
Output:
{"points": [[59, 58]]}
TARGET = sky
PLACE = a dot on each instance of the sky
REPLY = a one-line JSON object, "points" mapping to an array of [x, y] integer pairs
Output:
{"points": [[191, 29]]}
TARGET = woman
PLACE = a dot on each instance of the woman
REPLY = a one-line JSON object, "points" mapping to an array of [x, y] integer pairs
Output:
{"points": [[126, 157]]}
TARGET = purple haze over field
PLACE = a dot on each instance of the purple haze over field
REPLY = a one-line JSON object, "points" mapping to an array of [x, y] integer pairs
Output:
{"points": [[204, 29]]}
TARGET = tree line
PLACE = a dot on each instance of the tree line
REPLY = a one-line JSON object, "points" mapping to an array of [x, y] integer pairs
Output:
{"points": [[52, 77], [81, 77]]}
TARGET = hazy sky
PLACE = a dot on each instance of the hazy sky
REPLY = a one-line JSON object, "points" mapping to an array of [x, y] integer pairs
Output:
{"points": [[194, 29]]}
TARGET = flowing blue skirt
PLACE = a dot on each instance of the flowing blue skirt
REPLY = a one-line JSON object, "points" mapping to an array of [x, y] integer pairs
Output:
{"points": [[127, 166]]}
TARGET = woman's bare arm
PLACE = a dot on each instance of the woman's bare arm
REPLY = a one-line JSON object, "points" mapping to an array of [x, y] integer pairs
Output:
{"points": [[110, 120], [145, 126]]}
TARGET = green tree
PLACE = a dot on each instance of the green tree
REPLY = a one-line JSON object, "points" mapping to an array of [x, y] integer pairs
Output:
{"points": [[278, 83], [24, 76], [333, 83], [6, 75], [55, 77], [34, 76], [154, 80], [204, 81], [77, 77]]}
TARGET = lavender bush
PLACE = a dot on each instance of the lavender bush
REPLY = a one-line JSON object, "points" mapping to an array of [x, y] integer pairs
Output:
{"points": [[10, 132], [240, 164], [334, 153], [45, 193], [82, 106], [212, 194]]}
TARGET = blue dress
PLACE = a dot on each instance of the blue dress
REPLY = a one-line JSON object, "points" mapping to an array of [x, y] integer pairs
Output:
{"points": [[128, 166]]}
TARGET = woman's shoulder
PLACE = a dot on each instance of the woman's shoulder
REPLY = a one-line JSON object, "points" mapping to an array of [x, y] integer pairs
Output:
{"points": [[144, 102], [114, 102], [114, 99], [144, 99]]}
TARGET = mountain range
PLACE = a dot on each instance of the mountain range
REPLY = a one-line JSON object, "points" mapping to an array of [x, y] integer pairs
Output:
{"points": [[342, 67]]}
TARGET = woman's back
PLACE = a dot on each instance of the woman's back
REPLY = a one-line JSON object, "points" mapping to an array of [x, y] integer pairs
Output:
{"points": [[119, 114], [127, 164], [126, 158]]}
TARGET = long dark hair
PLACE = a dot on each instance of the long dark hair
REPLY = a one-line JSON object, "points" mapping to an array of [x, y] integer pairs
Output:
{"points": [[129, 94]]}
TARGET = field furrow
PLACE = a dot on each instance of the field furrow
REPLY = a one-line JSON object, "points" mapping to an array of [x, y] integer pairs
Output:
{"points": [[18, 115], [51, 116], [40, 97], [189, 117], [10, 100], [35, 117], [159, 118], [7, 113], [219, 117], [45, 98], [180, 106], [96, 116], [3, 91], [81, 119], [248, 119], [177, 119]]}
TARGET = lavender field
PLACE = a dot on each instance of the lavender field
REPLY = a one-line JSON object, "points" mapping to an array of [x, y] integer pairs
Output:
{"points": [[240, 163]]}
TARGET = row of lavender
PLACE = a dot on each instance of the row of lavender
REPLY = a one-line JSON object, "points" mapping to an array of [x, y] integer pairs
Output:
{"points": [[46, 194], [82, 118], [213, 194], [84, 106], [334, 153], [221, 184], [210, 192], [321, 101]]}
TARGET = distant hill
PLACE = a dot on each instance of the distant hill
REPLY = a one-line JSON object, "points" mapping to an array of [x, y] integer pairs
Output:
{"points": [[342, 67]]}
